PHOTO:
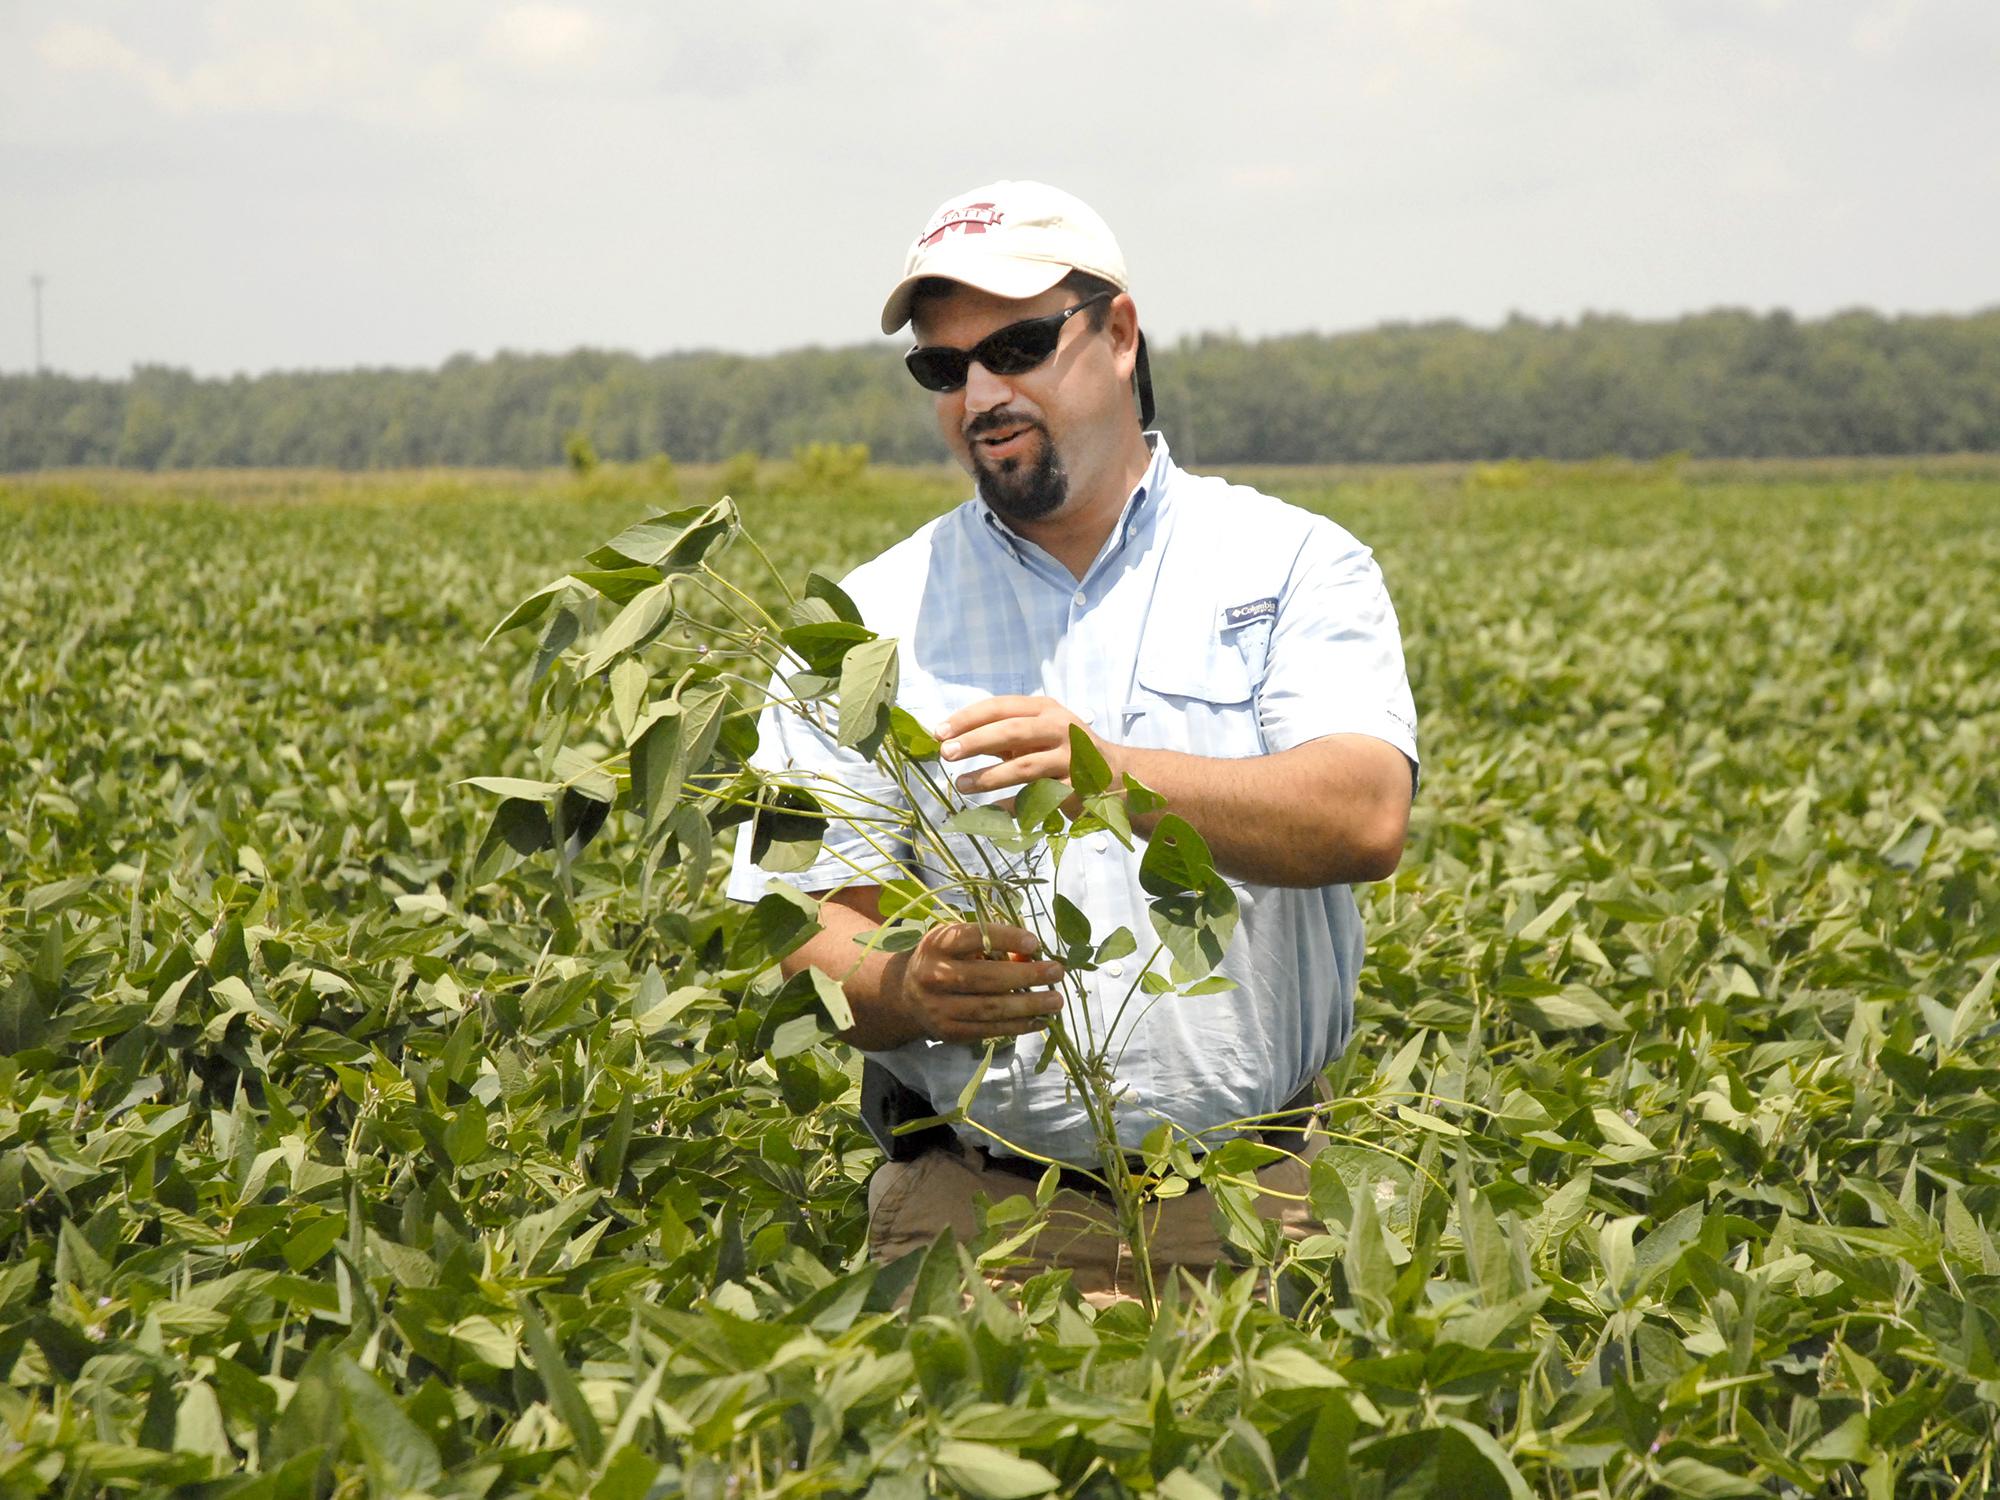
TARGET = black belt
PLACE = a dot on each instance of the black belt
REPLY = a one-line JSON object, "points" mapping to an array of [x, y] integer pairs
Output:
{"points": [[1285, 1136], [886, 1102]]}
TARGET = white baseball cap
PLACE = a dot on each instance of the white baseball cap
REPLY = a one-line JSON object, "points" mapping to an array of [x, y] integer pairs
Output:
{"points": [[1013, 239]]}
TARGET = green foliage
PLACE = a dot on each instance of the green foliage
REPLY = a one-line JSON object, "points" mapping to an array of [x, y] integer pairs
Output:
{"points": [[1728, 383], [1664, 1160], [824, 466], [738, 476], [663, 479], [578, 452]]}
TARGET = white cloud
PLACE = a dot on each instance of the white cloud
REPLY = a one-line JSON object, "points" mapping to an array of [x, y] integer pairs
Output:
{"points": [[541, 35], [76, 48], [1881, 28], [328, 59], [72, 47], [1273, 176], [1760, 171]]}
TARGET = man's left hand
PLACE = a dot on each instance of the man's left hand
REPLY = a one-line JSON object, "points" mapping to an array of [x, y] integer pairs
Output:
{"points": [[1030, 737]]}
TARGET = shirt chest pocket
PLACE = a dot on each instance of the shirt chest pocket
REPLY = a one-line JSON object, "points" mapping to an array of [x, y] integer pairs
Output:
{"points": [[1197, 692]]}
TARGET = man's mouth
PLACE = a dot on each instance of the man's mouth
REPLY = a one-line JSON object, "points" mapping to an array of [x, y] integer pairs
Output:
{"points": [[1004, 443]]}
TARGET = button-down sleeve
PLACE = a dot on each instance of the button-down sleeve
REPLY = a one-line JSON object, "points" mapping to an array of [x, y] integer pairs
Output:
{"points": [[863, 841], [1335, 663]]}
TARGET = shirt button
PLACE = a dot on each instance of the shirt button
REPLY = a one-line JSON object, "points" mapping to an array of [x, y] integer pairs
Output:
{"points": [[1100, 843], [1080, 597], [1114, 969]]}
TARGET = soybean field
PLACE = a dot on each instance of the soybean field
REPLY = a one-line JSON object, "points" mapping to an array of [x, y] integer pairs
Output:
{"points": [[364, 1133]]}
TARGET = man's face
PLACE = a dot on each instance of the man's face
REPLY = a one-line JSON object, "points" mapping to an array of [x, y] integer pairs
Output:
{"points": [[1027, 439]]}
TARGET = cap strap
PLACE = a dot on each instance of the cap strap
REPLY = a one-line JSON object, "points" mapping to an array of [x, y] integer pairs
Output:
{"points": [[1142, 373]]}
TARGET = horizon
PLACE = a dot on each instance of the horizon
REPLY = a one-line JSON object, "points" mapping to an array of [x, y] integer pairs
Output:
{"points": [[888, 345]]}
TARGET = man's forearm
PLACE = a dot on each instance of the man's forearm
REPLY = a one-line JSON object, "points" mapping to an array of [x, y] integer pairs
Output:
{"points": [[871, 978], [1329, 812], [963, 982]]}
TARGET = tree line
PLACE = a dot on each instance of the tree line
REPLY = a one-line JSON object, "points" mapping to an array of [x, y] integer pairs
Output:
{"points": [[1717, 384]]}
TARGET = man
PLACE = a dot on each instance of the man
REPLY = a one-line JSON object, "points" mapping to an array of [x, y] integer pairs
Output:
{"points": [[1235, 654]]}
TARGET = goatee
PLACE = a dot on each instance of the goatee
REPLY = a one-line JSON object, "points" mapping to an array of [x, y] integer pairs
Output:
{"points": [[1016, 490]]}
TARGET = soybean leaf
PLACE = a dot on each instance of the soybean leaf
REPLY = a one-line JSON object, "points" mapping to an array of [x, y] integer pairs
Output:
{"points": [[565, 1395], [1451, 1457], [514, 786], [634, 625], [1105, 810], [908, 898], [1038, 801], [1141, 799], [799, 1034], [1119, 944], [673, 542], [822, 645], [1196, 926], [1571, 1009], [533, 607], [986, 821], [519, 828], [579, 817], [834, 998], [396, 1449], [1194, 910], [867, 688], [1072, 926], [558, 636], [465, 1136], [619, 585], [704, 714], [786, 835], [1176, 858], [629, 680], [809, 686], [658, 764], [898, 937], [1088, 772], [782, 919], [992, 1473], [819, 586], [1215, 984], [911, 737]]}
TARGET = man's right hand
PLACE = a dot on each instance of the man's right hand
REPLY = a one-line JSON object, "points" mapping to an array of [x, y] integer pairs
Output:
{"points": [[968, 982]]}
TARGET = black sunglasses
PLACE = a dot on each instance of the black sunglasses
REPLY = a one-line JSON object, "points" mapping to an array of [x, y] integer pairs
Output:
{"points": [[1013, 350]]}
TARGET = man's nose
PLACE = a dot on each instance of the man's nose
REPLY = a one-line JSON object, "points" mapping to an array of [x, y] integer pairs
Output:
{"points": [[984, 390]]}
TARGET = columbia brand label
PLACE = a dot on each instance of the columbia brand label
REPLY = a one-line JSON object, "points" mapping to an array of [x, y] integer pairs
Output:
{"points": [[1256, 609]]}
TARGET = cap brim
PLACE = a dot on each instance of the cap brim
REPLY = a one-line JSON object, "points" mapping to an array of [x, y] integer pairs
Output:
{"points": [[1003, 276]]}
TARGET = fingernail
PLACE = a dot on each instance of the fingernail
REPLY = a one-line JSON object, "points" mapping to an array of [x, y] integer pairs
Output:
{"points": [[949, 750], [942, 730]]}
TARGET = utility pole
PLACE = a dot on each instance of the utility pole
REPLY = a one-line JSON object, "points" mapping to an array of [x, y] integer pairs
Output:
{"points": [[35, 281]]}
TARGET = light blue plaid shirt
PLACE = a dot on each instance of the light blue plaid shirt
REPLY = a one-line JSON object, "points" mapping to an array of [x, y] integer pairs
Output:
{"points": [[1215, 620]]}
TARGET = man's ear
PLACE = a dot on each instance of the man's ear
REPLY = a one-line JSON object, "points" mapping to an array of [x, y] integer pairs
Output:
{"points": [[1123, 327]]}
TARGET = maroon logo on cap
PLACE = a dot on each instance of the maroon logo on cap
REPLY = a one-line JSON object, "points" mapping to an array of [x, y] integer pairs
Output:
{"points": [[966, 218]]}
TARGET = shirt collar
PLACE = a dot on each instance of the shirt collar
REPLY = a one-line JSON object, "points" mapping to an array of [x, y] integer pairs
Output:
{"points": [[1142, 506]]}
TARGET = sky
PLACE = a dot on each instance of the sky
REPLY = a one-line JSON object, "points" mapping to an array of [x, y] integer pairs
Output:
{"points": [[247, 185]]}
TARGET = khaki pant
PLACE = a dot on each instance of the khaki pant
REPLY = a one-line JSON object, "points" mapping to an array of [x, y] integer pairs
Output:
{"points": [[910, 1202]]}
